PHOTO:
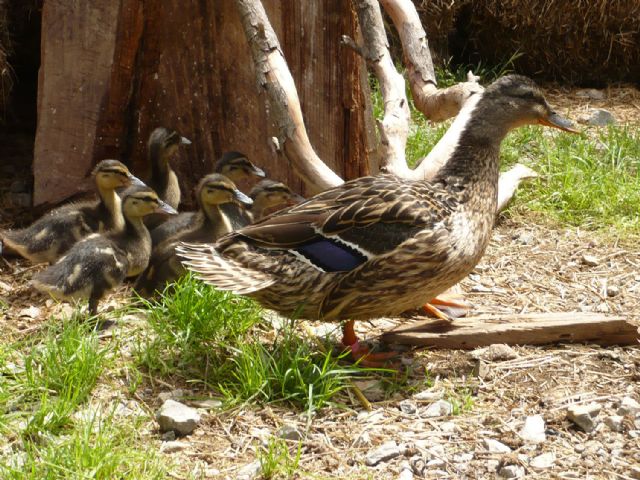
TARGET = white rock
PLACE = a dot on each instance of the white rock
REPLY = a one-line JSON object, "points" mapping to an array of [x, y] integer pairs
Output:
{"points": [[463, 457], [384, 452], [591, 93], [363, 440], [289, 432], [173, 446], [597, 117], [177, 417], [614, 422], [29, 312], [172, 395], [441, 408], [436, 463], [511, 471], [408, 406], [533, 430], [584, 415], [250, 471], [447, 427], [495, 352], [590, 260], [405, 471], [494, 446], [545, 460], [629, 407], [428, 395], [613, 291], [207, 403]]}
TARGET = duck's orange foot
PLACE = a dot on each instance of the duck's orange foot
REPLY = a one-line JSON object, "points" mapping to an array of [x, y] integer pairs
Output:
{"points": [[362, 355], [448, 307]]}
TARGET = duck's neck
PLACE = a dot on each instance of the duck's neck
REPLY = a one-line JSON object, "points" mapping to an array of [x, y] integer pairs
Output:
{"points": [[159, 160], [111, 201], [475, 157], [213, 216], [135, 231]]}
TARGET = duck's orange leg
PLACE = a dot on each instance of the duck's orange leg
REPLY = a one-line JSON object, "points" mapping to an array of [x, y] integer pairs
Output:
{"points": [[452, 303], [361, 353]]}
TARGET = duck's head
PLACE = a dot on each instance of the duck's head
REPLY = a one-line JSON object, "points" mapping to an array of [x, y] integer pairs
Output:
{"points": [[216, 189], [166, 141], [140, 201], [269, 193], [112, 174], [520, 101], [237, 167]]}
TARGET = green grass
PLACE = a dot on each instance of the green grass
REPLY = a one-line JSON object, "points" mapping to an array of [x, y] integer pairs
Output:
{"points": [[276, 461], [42, 431], [216, 339]]}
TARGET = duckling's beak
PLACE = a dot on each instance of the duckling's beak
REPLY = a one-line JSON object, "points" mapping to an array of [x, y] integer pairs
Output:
{"points": [[258, 172], [165, 208], [556, 121], [185, 141], [136, 181], [242, 198]]}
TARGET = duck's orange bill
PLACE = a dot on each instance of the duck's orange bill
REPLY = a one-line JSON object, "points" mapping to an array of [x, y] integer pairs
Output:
{"points": [[556, 121]]}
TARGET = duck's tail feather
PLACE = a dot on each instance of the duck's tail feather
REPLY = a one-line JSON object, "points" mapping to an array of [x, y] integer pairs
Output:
{"points": [[223, 272]]}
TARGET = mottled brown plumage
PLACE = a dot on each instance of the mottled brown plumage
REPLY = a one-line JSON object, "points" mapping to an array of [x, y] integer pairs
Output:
{"points": [[52, 235], [379, 246], [99, 263], [206, 225]]}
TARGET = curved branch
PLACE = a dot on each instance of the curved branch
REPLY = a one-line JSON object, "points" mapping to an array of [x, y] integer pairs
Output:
{"points": [[275, 79], [435, 104], [394, 127]]}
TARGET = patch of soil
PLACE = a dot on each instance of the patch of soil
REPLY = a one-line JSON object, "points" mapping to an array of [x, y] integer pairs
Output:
{"points": [[527, 268]]}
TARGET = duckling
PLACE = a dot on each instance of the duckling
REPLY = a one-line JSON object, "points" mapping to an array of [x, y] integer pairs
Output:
{"points": [[269, 196], [378, 246], [101, 262], [207, 225], [49, 237], [163, 143], [237, 167], [240, 170]]}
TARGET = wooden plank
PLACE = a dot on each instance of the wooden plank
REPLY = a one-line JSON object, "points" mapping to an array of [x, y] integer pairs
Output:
{"points": [[78, 42], [523, 329]]}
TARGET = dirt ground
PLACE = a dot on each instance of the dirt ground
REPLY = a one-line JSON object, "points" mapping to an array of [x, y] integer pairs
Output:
{"points": [[529, 267]]}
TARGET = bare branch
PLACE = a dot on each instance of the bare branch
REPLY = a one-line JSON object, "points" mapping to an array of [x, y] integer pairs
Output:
{"points": [[435, 104], [275, 79], [394, 127]]}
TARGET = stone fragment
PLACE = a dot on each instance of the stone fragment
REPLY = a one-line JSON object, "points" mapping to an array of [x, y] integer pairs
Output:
{"points": [[441, 408], [544, 460], [597, 117], [173, 395], [584, 415], [591, 94], [405, 471], [428, 395], [249, 471], [408, 406], [494, 446], [590, 260], [363, 440], [29, 312], [463, 457], [629, 407], [533, 430], [168, 436], [613, 291], [447, 427], [173, 446], [207, 403], [511, 471], [614, 422], [495, 352], [177, 417], [384, 452], [289, 432]]}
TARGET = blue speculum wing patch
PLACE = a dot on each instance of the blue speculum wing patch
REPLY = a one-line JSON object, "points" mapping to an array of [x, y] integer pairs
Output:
{"points": [[331, 255]]}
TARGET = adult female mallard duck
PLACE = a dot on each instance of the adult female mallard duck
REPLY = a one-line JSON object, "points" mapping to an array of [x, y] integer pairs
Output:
{"points": [[269, 196], [163, 143], [49, 237], [233, 165], [100, 263], [378, 246], [207, 225]]}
